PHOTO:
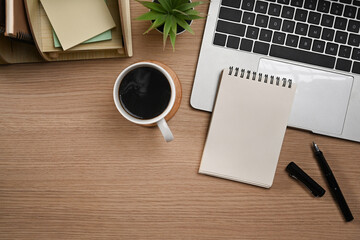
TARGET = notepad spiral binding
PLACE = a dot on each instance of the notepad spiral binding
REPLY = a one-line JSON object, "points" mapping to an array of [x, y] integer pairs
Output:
{"points": [[247, 74]]}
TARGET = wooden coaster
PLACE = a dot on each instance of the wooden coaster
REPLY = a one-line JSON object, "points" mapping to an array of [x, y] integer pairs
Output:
{"points": [[178, 90]]}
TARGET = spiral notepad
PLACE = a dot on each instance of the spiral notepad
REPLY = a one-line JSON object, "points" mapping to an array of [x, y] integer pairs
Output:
{"points": [[247, 126]]}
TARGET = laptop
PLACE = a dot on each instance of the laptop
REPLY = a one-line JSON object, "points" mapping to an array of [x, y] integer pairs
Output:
{"points": [[314, 43]]}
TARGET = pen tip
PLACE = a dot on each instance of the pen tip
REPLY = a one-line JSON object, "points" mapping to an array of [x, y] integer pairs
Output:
{"points": [[316, 147]]}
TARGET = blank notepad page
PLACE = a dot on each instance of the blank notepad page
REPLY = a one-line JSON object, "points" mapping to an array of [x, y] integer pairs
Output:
{"points": [[247, 127]]}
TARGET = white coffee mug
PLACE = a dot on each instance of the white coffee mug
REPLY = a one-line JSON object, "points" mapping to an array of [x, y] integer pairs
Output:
{"points": [[158, 120]]}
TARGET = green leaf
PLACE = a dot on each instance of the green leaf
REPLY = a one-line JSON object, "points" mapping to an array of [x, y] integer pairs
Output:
{"points": [[180, 2], [191, 12], [192, 17], [158, 22], [188, 15], [152, 15], [153, 6], [166, 5], [181, 12], [187, 6], [167, 27], [173, 25], [174, 3], [184, 25], [172, 39]]}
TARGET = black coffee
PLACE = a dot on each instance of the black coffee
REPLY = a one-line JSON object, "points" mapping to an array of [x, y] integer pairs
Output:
{"points": [[144, 93]]}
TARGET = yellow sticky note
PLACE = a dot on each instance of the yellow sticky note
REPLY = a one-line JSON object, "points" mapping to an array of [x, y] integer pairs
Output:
{"points": [[76, 21]]}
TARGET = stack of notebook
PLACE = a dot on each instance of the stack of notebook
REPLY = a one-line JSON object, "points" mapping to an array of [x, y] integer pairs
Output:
{"points": [[13, 21], [16, 42], [2, 16], [64, 30]]}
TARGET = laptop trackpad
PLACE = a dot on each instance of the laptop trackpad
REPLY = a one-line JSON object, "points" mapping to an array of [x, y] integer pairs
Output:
{"points": [[321, 97]]}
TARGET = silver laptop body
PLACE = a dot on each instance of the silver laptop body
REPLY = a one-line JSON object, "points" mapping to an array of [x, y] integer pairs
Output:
{"points": [[327, 100]]}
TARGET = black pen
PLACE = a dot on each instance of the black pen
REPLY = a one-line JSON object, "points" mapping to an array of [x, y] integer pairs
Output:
{"points": [[333, 185]]}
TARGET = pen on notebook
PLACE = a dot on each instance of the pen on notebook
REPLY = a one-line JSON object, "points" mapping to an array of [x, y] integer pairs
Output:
{"points": [[333, 185]]}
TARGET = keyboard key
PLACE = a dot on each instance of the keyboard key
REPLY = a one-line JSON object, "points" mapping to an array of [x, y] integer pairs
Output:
{"points": [[302, 56], [248, 18], [340, 23], [230, 14], [344, 51], [314, 17], [318, 46], [231, 3], [262, 48], [261, 7], [314, 31], [354, 40], [354, 26], [275, 23], [323, 6], [310, 4], [337, 9], [279, 38], [297, 3], [233, 42], [350, 11], [219, 39], [356, 54], [327, 34], [288, 12], [284, 1], [301, 15], [288, 26], [292, 40], [230, 28], [344, 65], [356, 3], [345, 1], [252, 32], [341, 37], [301, 29], [246, 44], [331, 48], [248, 5], [327, 20], [261, 20], [356, 67], [305, 43], [274, 9], [265, 35]]}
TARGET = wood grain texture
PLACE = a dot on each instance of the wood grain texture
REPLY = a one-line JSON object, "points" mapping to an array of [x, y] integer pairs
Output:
{"points": [[72, 168]]}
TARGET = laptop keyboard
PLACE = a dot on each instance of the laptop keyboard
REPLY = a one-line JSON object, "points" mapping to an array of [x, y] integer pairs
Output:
{"points": [[318, 32]]}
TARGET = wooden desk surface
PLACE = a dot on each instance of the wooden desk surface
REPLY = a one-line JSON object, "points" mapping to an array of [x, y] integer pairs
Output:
{"points": [[71, 167]]}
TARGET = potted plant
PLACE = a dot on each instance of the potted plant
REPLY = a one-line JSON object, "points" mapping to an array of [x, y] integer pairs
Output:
{"points": [[171, 17]]}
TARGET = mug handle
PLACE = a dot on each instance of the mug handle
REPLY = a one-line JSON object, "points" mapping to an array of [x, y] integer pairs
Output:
{"points": [[165, 130]]}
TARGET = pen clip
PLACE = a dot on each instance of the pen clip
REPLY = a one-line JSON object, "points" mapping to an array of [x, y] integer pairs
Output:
{"points": [[296, 172]]}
